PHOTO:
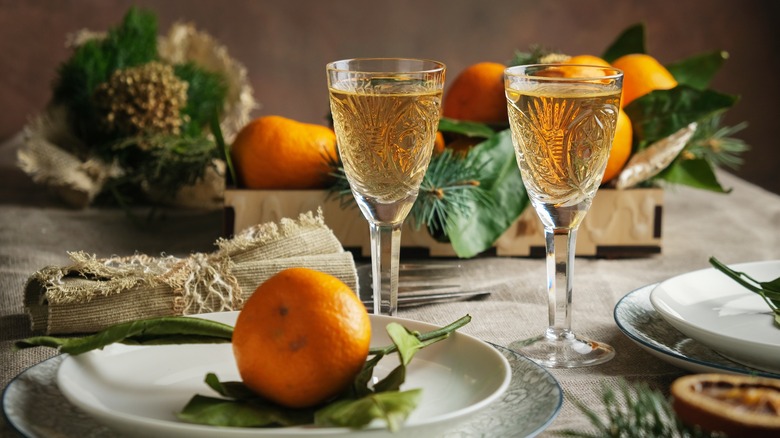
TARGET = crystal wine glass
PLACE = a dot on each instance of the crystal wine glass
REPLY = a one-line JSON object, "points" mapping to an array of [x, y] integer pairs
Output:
{"points": [[385, 113], [563, 120]]}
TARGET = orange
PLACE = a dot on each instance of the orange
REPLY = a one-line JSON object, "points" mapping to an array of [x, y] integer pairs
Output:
{"points": [[739, 406], [621, 147], [463, 144], [274, 152], [438, 144], [301, 338], [642, 74], [477, 94], [574, 72], [587, 60]]}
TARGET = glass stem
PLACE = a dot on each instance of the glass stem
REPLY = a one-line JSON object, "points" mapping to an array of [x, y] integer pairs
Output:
{"points": [[385, 252], [560, 244]]}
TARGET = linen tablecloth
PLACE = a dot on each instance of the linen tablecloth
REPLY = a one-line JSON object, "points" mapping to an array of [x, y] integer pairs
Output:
{"points": [[743, 226]]}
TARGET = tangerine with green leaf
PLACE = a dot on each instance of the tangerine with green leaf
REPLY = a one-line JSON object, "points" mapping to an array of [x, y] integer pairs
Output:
{"points": [[301, 338]]}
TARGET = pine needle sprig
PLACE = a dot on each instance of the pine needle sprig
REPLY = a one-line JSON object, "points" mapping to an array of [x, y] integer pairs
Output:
{"points": [[716, 143], [133, 43], [451, 187], [533, 56], [340, 188], [165, 162], [634, 412], [205, 96]]}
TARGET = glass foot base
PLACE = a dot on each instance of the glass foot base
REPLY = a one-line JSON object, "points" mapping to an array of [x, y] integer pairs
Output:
{"points": [[564, 350]]}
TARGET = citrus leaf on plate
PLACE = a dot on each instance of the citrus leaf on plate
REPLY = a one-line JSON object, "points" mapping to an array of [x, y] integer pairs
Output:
{"points": [[394, 407], [151, 331], [241, 413]]}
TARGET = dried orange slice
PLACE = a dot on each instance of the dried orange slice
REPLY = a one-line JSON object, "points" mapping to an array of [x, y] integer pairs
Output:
{"points": [[734, 405]]}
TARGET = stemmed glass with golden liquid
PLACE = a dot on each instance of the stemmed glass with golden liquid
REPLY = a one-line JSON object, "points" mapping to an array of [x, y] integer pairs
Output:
{"points": [[563, 120], [385, 113]]}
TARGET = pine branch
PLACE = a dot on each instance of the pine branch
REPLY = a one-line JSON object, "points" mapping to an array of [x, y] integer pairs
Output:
{"points": [[716, 144], [451, 186], [132, 43], [533, 56], [633, 412], [165, 163]]}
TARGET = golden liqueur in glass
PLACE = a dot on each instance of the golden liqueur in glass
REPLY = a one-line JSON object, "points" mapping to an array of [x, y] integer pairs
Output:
{"points": [[385, 114], [562, 120], [385, 142]]}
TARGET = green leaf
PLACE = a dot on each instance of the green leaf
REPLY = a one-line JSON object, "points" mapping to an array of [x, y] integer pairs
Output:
{"points": [[152, 331], [392, 381], [234, 390], [409, 343], [469, 129], [359, 387], [696, 173], [471, 234], [769, 291], [663, 112], [394, 407], [234, 413], [631, 40], [698, 70]]}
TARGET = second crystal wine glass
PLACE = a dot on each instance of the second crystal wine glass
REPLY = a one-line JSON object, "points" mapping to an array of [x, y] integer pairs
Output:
{"points": [[562, 119], [385, 113]]}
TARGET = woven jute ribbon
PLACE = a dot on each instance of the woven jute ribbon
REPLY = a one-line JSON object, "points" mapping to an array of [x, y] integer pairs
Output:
{"points": [[92, 293]]}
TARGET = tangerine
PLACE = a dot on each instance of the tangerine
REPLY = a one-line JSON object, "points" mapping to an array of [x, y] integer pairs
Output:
{"points": [[274, 152], [301, 338], [621, 147], [477, 94], [642, 74], [587, 60], [572, 71], [438, 144]]}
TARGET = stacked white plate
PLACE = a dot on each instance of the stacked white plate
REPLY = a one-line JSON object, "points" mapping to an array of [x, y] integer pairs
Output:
{"points": [[716, 311]]}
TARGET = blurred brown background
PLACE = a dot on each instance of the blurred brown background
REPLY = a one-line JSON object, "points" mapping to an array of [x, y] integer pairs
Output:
{"points": [[286, 44]]}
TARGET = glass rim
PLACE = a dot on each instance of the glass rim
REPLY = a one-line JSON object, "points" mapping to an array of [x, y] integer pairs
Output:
{"points": [[616, 75], [438, 65]]}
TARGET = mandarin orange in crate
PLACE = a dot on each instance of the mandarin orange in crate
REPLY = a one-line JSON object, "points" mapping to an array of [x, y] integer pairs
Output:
{"points": [[472, 200]]}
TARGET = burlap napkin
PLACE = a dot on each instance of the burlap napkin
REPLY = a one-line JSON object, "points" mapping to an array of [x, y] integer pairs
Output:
{"points": [[92, 293]]}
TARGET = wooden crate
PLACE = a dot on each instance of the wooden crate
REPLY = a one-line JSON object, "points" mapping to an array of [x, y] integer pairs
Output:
{"points": [[621, 223]]}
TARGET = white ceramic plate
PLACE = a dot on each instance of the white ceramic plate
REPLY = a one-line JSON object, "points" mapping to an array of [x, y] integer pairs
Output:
{"points": [[639, 321], [138, 390], [35, 407], [716, 311]]}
